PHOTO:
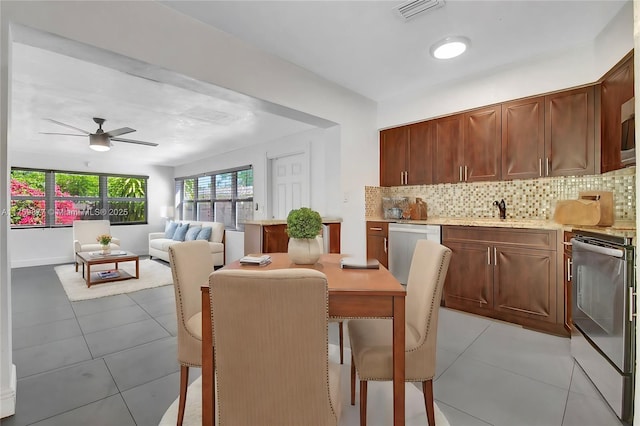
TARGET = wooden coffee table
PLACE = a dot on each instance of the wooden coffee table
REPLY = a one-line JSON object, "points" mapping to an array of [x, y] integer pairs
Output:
{"points": [[91, 258]]}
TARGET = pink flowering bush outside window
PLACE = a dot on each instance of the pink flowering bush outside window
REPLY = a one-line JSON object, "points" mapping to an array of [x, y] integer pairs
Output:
{"points": [[33, 212]]}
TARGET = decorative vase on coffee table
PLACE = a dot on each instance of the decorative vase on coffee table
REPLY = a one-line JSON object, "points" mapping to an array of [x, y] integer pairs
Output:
{"points": [[106, 248], [304, 251]]}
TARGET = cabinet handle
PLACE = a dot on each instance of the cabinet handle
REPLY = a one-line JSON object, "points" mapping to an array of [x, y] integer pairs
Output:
{"points": [[401, 178], [540, 166], [631, 314], [465, 174], [460, 173], [406, 178], [495, 257], [488, 255], [569, 269], [547, 166], [385, 244], [375, 229]]}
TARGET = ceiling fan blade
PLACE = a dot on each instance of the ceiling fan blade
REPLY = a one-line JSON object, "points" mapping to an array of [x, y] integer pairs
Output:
{"points": [[67, 125], [62, 134], [134, 141], [120, 131]]}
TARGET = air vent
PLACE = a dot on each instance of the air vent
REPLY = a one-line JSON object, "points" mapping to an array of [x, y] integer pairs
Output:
{"points": [[411, 9]]}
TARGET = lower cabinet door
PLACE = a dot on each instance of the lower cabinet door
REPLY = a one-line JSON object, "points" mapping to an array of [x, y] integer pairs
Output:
{"points": [[524, 283], [469, 279]]}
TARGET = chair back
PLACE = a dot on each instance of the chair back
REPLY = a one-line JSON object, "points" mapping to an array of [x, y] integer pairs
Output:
{"points": [[427, 274], [270, 343], [190, 266], [86, 231]]}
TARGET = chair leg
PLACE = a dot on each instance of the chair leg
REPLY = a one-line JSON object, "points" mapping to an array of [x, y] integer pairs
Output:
{"points": [[353, 382], [363, 403], [427, 390], [184, 381], [340, 324]]}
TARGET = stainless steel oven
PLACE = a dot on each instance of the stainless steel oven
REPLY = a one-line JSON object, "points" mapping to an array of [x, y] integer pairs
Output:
{"points": [[603, 294]]}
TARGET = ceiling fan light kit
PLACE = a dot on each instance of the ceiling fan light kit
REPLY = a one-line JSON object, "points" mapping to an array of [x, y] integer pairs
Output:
{"points": [[99, 142]]}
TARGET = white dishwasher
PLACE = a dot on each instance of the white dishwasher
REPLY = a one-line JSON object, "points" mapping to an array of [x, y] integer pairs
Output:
{"points": [[402, 242]]}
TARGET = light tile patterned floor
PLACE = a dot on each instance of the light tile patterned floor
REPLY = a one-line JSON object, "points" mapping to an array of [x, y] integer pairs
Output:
{"points": [[111, 361]]}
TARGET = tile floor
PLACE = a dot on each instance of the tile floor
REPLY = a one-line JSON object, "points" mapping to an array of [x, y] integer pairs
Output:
{"points": [[111, 362]]}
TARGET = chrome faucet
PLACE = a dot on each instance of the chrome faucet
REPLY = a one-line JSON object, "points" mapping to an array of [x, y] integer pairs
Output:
{"points": [[502, 207]]}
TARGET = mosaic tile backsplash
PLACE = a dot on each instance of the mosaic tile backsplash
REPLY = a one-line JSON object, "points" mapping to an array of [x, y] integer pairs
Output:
{"points": [[525, 199]]}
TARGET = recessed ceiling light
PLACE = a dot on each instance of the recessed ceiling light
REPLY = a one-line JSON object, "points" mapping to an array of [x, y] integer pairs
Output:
{"points": [[450, 47]]}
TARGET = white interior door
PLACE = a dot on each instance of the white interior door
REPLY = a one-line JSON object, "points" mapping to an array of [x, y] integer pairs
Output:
{"points": [[289, 184]]}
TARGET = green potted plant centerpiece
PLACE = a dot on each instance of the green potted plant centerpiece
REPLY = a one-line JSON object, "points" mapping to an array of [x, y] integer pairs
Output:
{"points": [[303, 227]]}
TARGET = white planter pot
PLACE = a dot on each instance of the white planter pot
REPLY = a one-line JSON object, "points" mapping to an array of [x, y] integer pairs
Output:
{"points": [[304, 251]]}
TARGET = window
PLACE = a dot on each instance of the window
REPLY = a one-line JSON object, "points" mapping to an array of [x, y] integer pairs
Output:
{"points": [[50, 198], [224, 196]]}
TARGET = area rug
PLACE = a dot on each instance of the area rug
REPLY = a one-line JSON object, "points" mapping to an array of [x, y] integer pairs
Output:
{"points": [[379, 405], [152, 274]]}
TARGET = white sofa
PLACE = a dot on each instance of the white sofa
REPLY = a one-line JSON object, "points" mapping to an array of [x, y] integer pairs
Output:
{"points": [[159, 245]]}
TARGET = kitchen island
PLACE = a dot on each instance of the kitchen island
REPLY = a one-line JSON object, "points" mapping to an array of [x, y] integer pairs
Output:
{"points": [[270, 236]]}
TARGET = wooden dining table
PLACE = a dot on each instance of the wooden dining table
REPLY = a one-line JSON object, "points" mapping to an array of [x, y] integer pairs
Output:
{"points": [[353, 293]]}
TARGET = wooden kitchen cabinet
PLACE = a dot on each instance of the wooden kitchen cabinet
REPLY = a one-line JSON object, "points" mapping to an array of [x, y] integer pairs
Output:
{"points": [[552, 135], [524, 283], [406, 155], [273, 238], [447, 149], [469, 283], [505, 273], [522, 138], [420, 154], [377, 242], [569, 141], [567, 257], [616, 88], [481, 149], [394, 144]]}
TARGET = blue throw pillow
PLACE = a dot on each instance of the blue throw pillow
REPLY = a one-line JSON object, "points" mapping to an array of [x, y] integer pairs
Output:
{"points": [[192, 233], [181, 232], [170, 229], [204, 234]]}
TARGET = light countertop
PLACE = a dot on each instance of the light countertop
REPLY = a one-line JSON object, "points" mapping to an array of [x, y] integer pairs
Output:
{"points": [[622, 228], [267, 222]]}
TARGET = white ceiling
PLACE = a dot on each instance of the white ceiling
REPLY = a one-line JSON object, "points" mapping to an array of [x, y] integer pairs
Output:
{"points": [[366, 47], [186, 124], [361, 45]]}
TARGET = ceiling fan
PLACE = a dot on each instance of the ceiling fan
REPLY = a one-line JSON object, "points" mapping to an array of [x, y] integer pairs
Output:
{"points": [[100, 140]]}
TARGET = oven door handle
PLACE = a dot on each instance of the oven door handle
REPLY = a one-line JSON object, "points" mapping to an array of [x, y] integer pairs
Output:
{"points": [[607, 251]]}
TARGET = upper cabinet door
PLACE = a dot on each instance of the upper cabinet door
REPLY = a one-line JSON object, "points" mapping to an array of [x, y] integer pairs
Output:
{"points": [[420, 155], [393, 155], [522, 138], [617, 88], [447, 161], [481, 146], [570, 132]]}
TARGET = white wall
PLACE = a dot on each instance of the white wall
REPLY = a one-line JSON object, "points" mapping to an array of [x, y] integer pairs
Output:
{"points": [[319, 143], [577, 66], [322, 146], [28, 247]]}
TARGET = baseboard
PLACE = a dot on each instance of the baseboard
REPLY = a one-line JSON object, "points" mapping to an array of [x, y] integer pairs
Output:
{"points": [[8, 396], [25, 263]]}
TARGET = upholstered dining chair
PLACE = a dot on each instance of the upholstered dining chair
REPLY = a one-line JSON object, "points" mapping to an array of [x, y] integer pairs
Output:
{"points": [[190, 266], [338, 321], [270, 348], [371, 339]]}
